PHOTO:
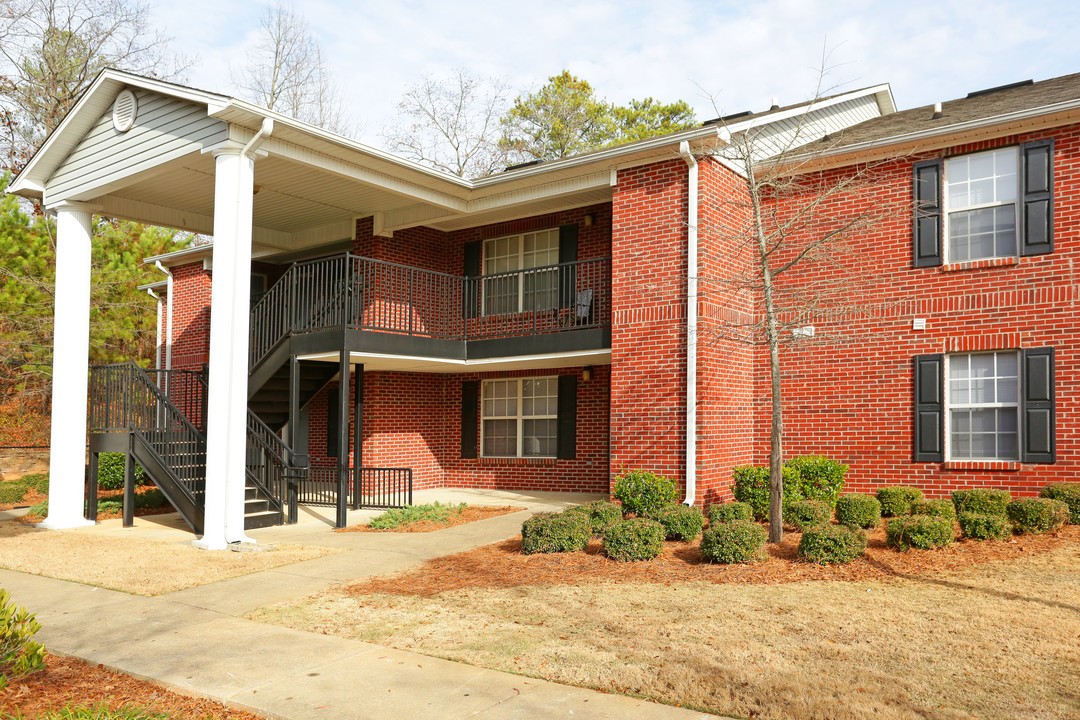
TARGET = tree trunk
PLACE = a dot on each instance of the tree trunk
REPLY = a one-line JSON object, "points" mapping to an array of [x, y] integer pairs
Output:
{"points": [[776, 454]]}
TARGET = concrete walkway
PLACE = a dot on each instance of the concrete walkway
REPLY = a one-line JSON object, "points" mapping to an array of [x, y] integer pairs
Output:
{"points": [[195, 641]]}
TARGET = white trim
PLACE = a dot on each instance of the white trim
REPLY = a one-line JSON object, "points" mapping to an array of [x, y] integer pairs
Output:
{"points": [[520, 417], [949, 406], [946, 211], [591, 355]]}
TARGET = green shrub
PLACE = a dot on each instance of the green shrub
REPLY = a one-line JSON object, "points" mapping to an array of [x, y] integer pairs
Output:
{"points": [[862, 511], [38, 481], [153, 499], [751, 486], [110, 505], [737, 541], [1068, 493], [896, 499], [555, 532], [643, 493], [981, 526], [729, 512], [680, 522], [19, 653], [940, 508], [983, 501], [828, 544], [12, 492], [634, 539], [820, 478], [41, 509], [111, 471], [919, 531], [1037, 515], [807, 513], [397, 517], [602, 514]]}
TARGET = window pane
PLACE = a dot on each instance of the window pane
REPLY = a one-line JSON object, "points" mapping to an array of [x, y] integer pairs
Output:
{"points": [[1008, 446], [539, 438], [983, 421], [983, 445], [500, 438]]}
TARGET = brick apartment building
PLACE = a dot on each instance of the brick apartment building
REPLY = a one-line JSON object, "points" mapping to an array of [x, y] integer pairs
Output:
{"points": [[549, 326]]}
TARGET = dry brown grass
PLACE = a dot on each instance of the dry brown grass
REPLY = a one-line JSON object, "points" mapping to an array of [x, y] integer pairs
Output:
{"points": [[998, 640], [133, 565]]}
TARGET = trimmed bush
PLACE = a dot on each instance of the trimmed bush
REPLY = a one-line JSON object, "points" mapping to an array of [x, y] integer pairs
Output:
{"points": [[729, 512], [38, 481], [983, 501], [919, 531], [832, 544], [19, 653], [151, 499], [896, 499], [12, 492], [111, 471], [634, 539], [399, 517], [862, 511], [680, 522], [805, 514], [1037, 515], [643, 493], [752, 487], [555, 532], [940, 508], [738, 541], [602, 514], [820, 478], [980, 526], [41, 509], [1068, 493]]}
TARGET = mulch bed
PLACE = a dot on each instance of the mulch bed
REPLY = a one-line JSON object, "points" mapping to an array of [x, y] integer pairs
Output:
{"points": [[68, 681], [502, 565], [471, 513]]}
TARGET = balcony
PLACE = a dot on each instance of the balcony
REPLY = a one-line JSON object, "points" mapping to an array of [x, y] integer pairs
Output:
{"points": [[365, 305]]}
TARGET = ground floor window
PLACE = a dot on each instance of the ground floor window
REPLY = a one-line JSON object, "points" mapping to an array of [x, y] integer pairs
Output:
{"points": [[983, 406], [520, 417]]}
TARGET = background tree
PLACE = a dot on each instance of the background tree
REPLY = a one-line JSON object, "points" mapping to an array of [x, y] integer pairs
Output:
{"points": [[287, 71], [795, 228], [451, 123], [641, 119], [50, 52]]}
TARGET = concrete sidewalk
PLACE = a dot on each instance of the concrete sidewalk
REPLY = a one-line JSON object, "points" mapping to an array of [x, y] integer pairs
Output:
{"points": [[193, 640]]}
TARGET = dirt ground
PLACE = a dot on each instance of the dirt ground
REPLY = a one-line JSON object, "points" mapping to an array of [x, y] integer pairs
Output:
{"points": [[68, 681], [138, 566], [470, 514], [977, 630]]}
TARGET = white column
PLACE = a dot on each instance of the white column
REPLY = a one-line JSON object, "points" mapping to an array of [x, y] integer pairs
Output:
{"points": [[71, 358], [226, 430]]}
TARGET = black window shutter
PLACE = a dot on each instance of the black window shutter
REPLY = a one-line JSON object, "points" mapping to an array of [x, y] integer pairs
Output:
{"points": [[929, 417], [567, 423], [927, 202], [1038, 408], [568, 246], [333, 427], [470, 413], [1037, 197], [470, 296]]}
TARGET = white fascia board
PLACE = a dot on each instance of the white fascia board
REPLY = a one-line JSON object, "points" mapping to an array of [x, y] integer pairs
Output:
{"points": [[30, 182], [182, 257], [157, 286]]}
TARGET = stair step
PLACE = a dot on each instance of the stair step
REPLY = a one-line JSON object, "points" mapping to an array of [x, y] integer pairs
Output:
{"points": [[262, 519], [255, 506]]}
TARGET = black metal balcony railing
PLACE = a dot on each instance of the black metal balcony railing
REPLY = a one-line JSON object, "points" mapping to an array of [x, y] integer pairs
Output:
{"points": [[364, 294]]}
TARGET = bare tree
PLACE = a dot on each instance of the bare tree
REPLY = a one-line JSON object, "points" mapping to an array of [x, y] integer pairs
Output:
{"points": [[50, 52], [288, 72], [451, 123], [793, 225]]}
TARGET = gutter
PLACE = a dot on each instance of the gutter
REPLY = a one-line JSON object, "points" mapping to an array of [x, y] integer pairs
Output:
{"points": [[691, 320], [168, 315]]}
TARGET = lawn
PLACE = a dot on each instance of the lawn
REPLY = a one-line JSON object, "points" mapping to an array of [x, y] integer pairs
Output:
{"points": [[891, 636]]}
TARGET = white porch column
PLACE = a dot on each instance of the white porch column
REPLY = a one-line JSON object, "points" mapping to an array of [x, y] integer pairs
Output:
{"points": [[71, 357], [226, 440]]}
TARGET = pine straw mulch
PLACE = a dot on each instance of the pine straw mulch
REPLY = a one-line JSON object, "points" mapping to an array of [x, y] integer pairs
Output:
{"points": [[471, 513], [32, 518], [502, 565], [71, 682]]}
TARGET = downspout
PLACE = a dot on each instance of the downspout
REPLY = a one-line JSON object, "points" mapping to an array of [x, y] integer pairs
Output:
{"points": [[691, 320], [157, 328], [265, 130], [168, 314]]}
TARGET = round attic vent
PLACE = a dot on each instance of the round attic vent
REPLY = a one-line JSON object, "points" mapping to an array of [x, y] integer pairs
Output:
{"points": [[124, 109]]}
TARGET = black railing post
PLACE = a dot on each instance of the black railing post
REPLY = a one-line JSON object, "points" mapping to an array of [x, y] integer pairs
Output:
{"points": [[129, 485], [294, 437], [92, 488], [343, 440]]}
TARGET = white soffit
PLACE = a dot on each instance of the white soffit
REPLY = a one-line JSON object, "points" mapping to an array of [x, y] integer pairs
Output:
{"points": [[375, 362]]}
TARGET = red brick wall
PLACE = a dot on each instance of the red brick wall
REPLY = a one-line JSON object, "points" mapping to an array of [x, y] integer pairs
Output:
{"points": [[848, 391], [191, 316]]}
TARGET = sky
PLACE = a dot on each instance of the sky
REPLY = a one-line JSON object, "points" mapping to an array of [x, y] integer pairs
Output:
{"points": [[721, 57]]}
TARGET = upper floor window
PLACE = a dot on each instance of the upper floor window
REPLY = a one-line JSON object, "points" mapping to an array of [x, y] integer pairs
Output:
{"points": [[981, 205], [519, 272]]}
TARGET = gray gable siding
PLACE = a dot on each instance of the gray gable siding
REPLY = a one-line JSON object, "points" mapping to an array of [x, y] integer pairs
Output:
{"points": [[783, 135], [165, 129]]}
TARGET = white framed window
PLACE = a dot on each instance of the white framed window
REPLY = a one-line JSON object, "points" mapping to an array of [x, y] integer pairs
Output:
{"points": [[981, 191], [982, 398], [522, 273], [519, 417]]}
